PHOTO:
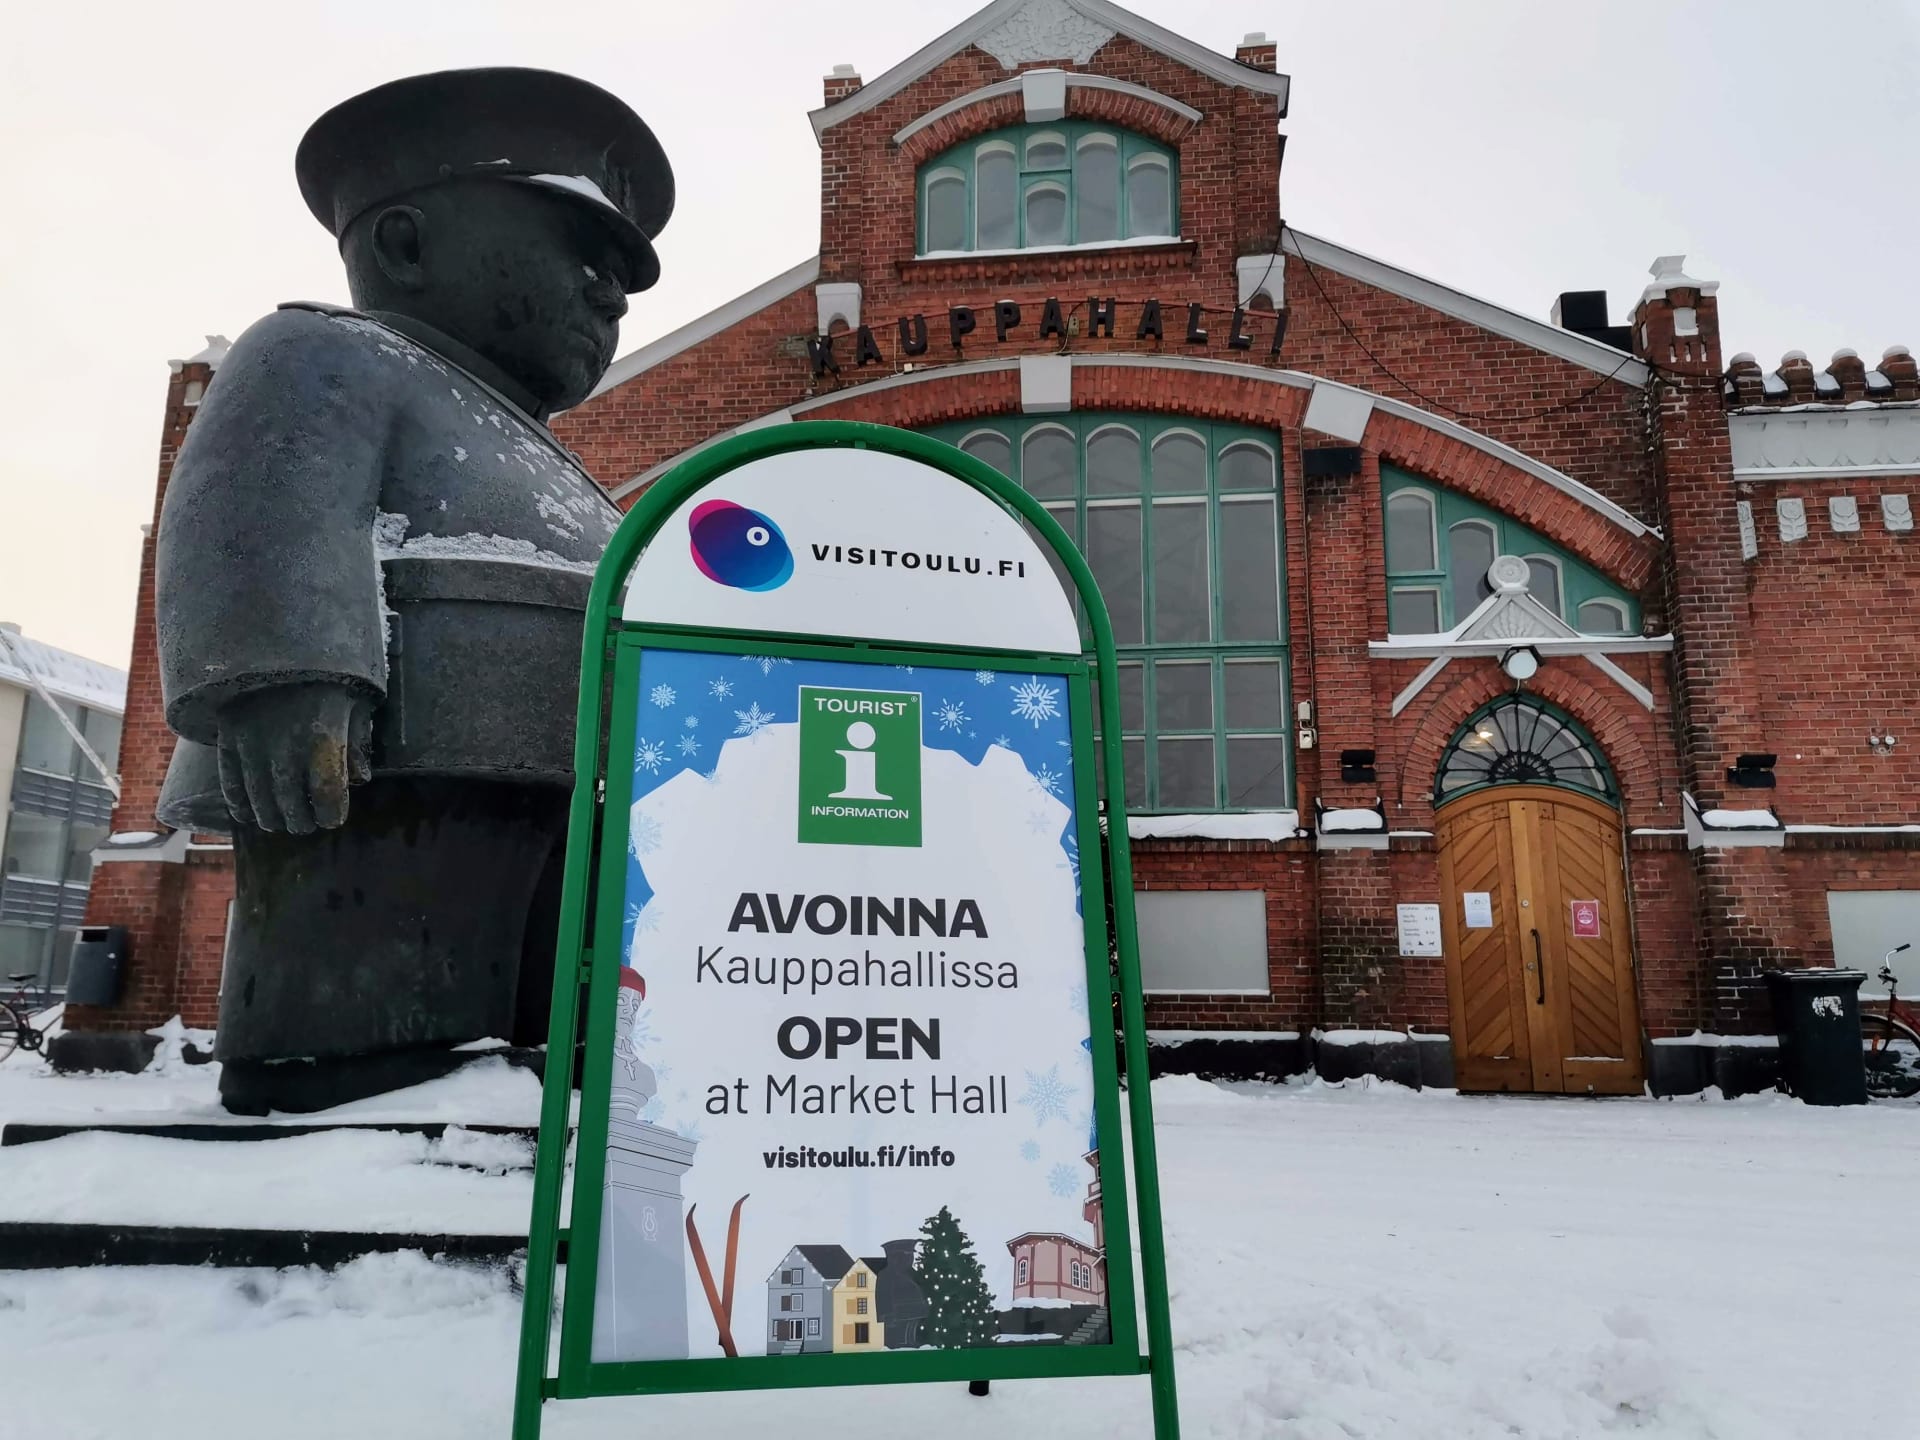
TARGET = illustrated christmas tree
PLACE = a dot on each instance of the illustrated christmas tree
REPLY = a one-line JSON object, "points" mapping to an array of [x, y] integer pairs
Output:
{"points": [[960, 1303]]}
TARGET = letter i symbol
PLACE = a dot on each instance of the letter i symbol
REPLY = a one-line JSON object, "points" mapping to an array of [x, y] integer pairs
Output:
{"points": [[860, 760]]}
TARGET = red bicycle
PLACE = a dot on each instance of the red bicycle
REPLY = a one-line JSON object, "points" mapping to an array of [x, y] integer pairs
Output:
{"points": [[1892, 1039], [17, 1030]]}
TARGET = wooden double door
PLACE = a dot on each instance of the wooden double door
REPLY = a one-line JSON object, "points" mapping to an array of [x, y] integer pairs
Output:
{"points": [[1538, 947]]}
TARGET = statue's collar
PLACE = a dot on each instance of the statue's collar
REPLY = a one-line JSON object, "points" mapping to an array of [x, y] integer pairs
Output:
{"points": [[484, 372]]}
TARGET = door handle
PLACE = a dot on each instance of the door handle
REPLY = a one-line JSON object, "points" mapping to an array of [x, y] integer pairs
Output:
{"points": [[1539, 970]]}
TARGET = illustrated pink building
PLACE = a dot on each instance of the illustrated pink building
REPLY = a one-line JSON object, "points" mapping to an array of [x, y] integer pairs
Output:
{"points": [[1051, 1266]]}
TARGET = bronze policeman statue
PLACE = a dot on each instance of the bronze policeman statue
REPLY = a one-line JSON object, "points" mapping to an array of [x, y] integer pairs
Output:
{"points": [[372, 569]]}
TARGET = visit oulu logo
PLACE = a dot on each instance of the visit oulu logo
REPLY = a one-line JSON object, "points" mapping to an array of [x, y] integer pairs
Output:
{"points": [[736, 546], [859, 767]]}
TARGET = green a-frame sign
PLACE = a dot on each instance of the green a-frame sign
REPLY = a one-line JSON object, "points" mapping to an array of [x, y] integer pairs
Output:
{"points": [[790, 810]]}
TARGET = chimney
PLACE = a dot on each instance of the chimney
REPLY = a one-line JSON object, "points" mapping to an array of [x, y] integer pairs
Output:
{"points": [[1797, 373], [1897, 365], [841, 82], [1677, 324], [1258, 51], [1584, 312]]}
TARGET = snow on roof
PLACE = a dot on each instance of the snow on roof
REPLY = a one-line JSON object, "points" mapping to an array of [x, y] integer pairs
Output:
{"points": [[69, 676]]}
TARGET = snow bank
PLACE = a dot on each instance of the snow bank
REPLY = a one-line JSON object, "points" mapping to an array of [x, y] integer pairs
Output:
{"points": [[1259, 825], [1346, 1264]]}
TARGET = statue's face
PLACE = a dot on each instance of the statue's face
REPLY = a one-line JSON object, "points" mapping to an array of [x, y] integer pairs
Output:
{"points": [[527, 278]]}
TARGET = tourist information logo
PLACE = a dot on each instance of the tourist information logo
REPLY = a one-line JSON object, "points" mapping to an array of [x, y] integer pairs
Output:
{"points": [[859, 767]]}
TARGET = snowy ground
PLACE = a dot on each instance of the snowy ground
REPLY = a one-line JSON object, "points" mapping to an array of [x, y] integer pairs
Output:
{"points": [[1365, 1262]]}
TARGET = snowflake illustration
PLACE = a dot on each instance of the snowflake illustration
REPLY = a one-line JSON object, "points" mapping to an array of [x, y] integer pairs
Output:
{"points": [[1039, 822], [985, 677], [752, 720], [644, 918], [766, 662], [1030, 1150], [1047, 1096], [689, 745], [1062, 1181], [688, 1130], [1048, 779], [1003, 742], [720, 689], [1071, 863], [1036, 700], [650, 756], [951, 714], [692, 722], [907, 668], [662, 695], [643, 833]]}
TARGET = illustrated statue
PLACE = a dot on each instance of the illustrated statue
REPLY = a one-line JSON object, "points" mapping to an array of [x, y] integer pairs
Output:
{"points": [[371, 576]]}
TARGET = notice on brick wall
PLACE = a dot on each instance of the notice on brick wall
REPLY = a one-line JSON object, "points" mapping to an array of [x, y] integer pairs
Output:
{"points": [[1419, 929]]}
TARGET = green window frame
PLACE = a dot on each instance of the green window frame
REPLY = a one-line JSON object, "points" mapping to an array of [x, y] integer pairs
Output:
{"points": [[1182, 523], [1434, 540], [1046, 186]]}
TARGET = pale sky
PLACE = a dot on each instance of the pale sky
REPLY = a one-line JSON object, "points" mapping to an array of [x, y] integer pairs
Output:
{"points": [[1510, 148]]}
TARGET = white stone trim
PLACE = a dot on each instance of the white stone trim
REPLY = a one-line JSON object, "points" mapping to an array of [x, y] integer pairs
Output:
{"points": [[1099, 13], [1576, 349], [1352, 840], [708, 325], [1699, 837], [1566, 484], [1791, 513], [1074, 81], [1046, 384], [1413, 647], [172, 850], [836, 300], [1338, 411], [1621, 678], [1419, 682], [1043, 95], [1805, 444], [1261, 275]]}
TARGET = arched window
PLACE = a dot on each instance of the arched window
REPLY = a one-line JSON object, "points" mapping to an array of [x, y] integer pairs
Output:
{"points": [[1439, 544], [1471, 546], [995, 213], [1026, 1269], [1067, 183], [1602, 617], [943, 202], [992, 447], [1543, 581], [1180, 523], [1522, 740]]}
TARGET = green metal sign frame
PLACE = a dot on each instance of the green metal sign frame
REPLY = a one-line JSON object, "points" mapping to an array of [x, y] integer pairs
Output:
{"points": [[588, 956]]}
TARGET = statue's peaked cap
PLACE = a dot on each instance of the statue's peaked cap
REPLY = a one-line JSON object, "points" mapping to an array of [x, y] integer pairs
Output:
{"points": [[536, 127]]}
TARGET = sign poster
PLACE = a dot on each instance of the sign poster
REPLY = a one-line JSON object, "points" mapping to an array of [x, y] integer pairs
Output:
{"points": [[1586, 919], [1478, 905], [851, 1079], [1420, 930]]}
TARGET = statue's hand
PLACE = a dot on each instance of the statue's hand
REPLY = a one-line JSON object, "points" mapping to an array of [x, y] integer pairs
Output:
{"points": [[287, 756]]}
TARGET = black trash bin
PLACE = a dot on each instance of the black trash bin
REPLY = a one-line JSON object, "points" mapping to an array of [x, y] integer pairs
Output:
{"points": [[99, 962], [1817, 1013]]}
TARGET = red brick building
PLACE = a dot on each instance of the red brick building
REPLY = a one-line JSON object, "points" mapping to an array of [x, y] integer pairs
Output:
{"points": [[1445, 628]]}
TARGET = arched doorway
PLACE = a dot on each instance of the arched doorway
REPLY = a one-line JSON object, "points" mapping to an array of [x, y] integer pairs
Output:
{"points": [[1533, 910]]}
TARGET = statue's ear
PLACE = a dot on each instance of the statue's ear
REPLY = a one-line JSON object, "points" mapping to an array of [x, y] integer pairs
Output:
{"points": [[399, 231]]}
